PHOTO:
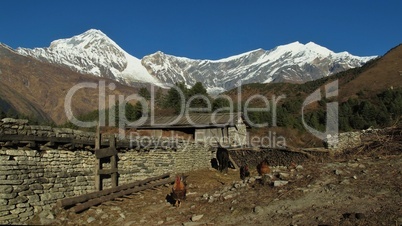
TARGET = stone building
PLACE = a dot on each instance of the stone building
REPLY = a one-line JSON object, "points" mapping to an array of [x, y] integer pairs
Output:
{"points": [[209, 128]]}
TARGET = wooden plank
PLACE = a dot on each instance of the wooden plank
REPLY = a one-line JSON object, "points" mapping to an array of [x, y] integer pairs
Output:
{"points": [[112, 141], [51, 141], [115, 170], [98, 180], [98, 161], [105, 152], [113, 162], [54, 141], [82, 198], [97, 201], [233, 162], [107, 171], [98, 137]]}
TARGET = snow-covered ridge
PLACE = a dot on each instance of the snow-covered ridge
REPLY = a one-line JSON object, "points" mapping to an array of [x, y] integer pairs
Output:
{"points": [[94, 53], [294, 62]]}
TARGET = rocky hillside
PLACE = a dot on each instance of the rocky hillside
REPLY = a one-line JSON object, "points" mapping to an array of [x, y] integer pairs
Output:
{"points": [[381, 74], [294, 62], [38, 89]]}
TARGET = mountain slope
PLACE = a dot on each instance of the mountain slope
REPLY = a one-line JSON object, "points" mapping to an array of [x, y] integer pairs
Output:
{"points": [[294, 62], [385, 74], [39, 89], [93, 53], [376, 76]]}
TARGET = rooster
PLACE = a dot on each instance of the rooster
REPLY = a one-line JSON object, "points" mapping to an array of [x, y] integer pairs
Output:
{"points": [[179, 190], [263, 168], [244, 172]]}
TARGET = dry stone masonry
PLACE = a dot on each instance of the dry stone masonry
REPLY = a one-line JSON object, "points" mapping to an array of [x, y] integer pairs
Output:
{"points": [[10, 126], [32, 180], [34, 176]]}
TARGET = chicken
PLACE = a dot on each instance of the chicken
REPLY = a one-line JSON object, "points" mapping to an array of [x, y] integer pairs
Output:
{"points": [[179, 190], [263, 168], [244, 172]]}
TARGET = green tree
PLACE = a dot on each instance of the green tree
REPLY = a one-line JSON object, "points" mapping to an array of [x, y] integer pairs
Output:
{"points": [[174, 99], [344, 124], [293, 105], [368, 112], [198, 88], [144, 92], [159, 98], [135, 112], [314, 120], [200, 95], [183, 88], [357, 122], [219, 103]]}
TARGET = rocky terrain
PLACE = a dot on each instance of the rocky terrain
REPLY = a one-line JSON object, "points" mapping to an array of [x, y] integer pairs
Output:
{"points": [[352, 188]]}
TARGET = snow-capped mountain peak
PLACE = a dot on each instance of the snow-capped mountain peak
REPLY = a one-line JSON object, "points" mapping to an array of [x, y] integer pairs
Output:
{"points": [[296, 49], [293, 62], [238, 56], [91, 37], [93, 52], [318, 49]]}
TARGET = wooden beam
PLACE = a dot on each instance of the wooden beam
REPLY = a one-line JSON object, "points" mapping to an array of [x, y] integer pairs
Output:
{"points": [[98, 180], [107, 171], [113, 162], [105, 152], [112, 141], [83, 198], [54, 141], [98, 162], [233, 162], [99, 200], [98, 137], [21, 137]]}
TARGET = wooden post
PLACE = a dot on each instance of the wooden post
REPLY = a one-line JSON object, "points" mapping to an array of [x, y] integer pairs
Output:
{"points": [[105, 155], [113, 161], [233, 162], [98, 161]]}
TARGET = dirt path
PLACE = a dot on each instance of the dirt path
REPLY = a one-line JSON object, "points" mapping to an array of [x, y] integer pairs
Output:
{"points": [[359, 191]]}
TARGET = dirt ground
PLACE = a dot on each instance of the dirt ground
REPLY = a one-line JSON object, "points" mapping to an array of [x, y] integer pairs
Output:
{"points": [[360, 190]]}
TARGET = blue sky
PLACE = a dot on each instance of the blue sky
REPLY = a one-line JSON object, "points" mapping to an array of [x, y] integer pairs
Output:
{"points": [[207, 29]]}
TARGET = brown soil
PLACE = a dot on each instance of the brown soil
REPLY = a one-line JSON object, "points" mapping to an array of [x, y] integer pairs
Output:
{"points": [[360, 190]]}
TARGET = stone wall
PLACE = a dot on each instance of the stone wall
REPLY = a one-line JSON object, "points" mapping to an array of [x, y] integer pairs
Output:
{"points": [[12, 126], [32, 180], [343, 141]]}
